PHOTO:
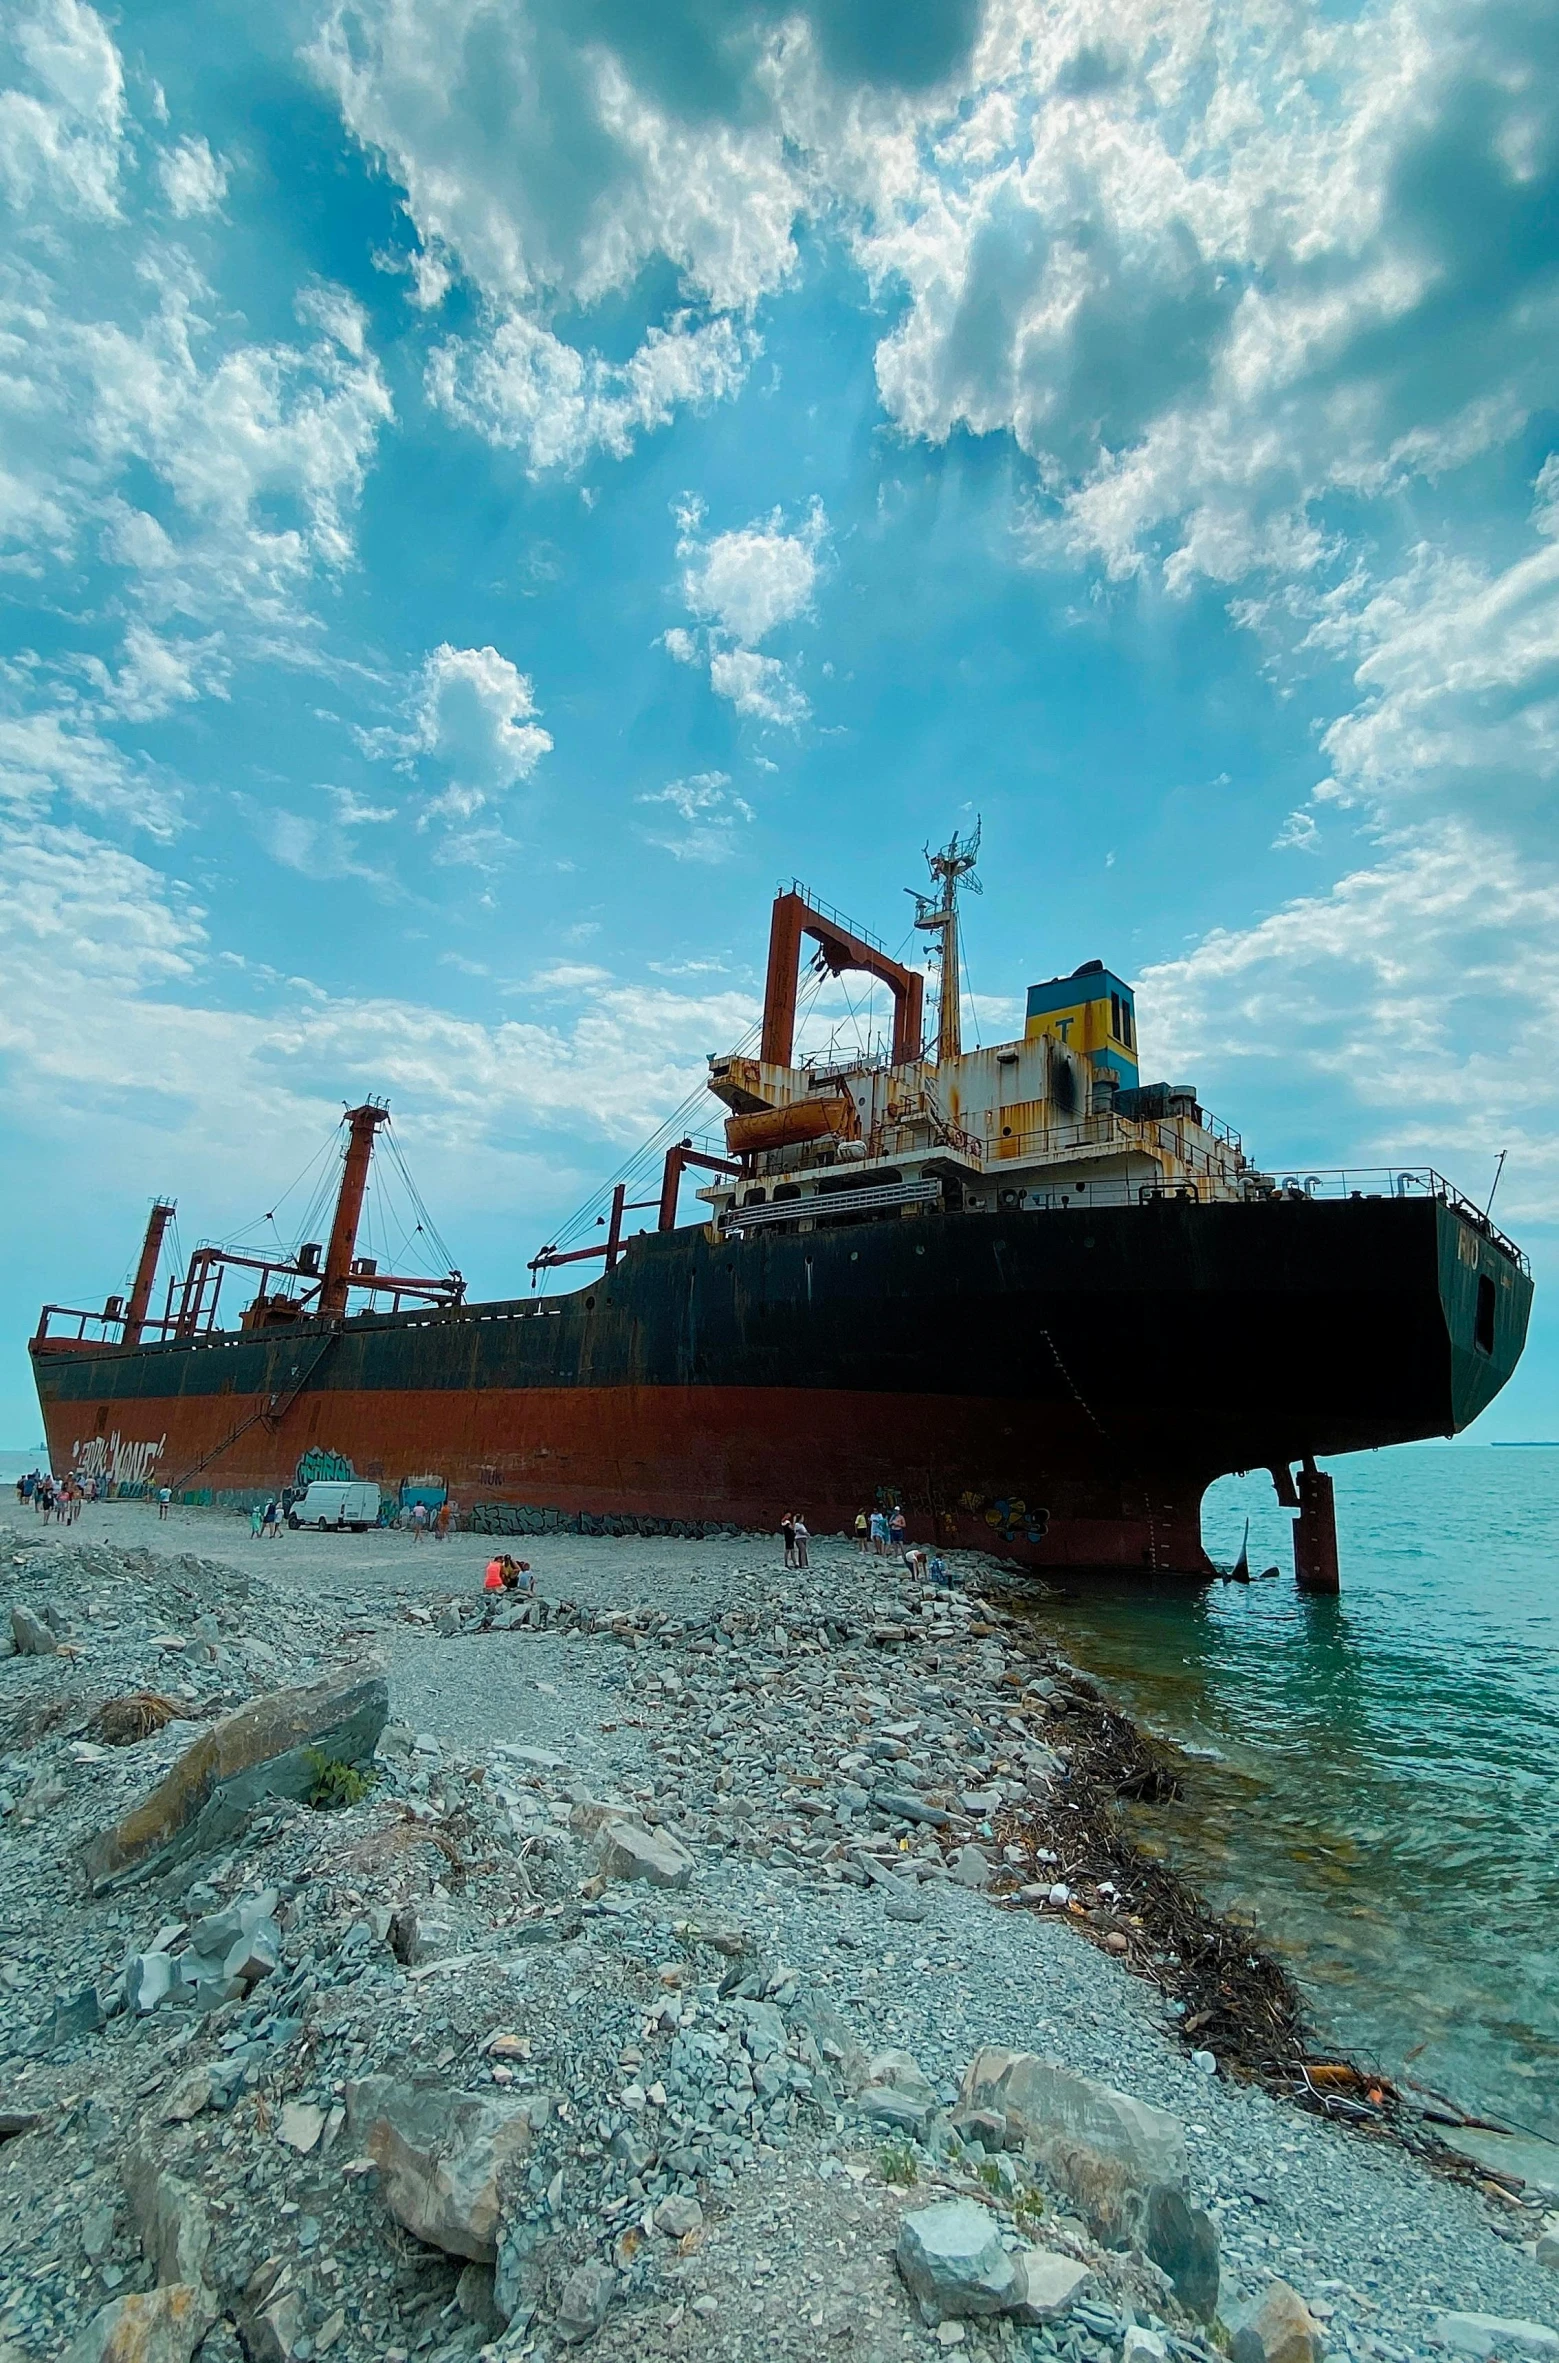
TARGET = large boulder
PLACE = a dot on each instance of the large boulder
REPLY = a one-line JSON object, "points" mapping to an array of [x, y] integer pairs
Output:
{"points": [[1105, 2148], [1182, 2241], [170, 2216], [441, 2153], [156, 2326], [953, 2261], [30, 1635], [1484, 2335], [261, 1750]]}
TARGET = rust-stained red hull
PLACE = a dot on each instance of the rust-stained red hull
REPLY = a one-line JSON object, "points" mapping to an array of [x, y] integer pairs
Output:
{"points": [[739, 1456]]}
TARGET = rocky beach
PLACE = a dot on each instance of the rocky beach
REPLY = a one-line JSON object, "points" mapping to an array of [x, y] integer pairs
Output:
{"points": [[694, 1958]]}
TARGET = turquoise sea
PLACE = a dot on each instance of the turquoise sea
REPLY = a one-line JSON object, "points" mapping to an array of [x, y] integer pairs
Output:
{"points": [[1384, 1799], [1382, 1789]]}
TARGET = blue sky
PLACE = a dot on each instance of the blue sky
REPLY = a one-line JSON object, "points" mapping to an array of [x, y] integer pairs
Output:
{"points": [[485, 490]]}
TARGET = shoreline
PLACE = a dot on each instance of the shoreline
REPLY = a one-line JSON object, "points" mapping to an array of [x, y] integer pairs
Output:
{"points": [[715, 1700]]}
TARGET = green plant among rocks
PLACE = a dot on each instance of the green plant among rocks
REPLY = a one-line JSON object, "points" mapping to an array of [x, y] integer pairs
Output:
{"points": [[335, 1784], [896, 2164]]}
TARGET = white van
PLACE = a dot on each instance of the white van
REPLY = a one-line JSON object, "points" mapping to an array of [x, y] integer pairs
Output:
{"points": [[337, 1502]]}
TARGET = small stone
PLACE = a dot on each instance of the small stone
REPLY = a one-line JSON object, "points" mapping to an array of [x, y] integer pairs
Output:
{"points": [[587, 2295], [190, 2095], [1048, 2285], [1483, 2335], [97, 2234], [327, 2334], [902, 1903], [31, 1635], [653, 1855], [950, 2334], [255, 1954], [1280, 2328], [148, 1980], [300, 2126], [953, 2261], [154, 2326], [74, 2016], [971, 1868], [1548, 2250], [1143, 2346], [677, 2216]]}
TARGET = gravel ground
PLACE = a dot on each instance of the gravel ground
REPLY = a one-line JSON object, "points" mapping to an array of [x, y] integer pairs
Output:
{"points": [[700, 1733]]}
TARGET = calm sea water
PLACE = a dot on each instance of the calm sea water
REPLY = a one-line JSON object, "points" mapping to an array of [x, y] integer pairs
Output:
{"points": [[1385, 1799], [1385, 1803]]}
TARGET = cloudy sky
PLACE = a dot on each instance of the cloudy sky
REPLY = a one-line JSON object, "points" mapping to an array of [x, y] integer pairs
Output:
{"points": [[488, 486]]}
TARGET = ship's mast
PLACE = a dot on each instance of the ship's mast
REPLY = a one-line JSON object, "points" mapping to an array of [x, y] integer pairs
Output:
{"points": [[364, 1122], [937, 914], [146, 1272]]}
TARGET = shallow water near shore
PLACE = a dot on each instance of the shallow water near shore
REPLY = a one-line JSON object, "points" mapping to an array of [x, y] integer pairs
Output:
{"points": [[1385, 1799]]}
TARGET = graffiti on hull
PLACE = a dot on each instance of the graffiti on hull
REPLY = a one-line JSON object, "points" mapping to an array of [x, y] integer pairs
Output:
{"points": [[116, 1459]]}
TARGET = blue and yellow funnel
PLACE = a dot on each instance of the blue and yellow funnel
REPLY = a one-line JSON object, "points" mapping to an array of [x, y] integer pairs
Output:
{"points": [[1092, 1011]]}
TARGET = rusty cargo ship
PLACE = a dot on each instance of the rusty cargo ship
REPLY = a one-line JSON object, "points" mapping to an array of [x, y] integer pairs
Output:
{"points": [[1039, 1302]]}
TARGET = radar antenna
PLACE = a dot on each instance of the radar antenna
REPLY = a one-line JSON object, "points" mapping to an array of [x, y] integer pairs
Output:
{"points": [[937, 914]]}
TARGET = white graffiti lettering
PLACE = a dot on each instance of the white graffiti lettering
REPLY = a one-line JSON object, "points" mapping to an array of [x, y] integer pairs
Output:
{"points": [[116, 1458]]}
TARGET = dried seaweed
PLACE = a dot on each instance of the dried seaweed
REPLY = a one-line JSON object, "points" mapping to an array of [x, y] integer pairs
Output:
{"points": [[121, 1722]]}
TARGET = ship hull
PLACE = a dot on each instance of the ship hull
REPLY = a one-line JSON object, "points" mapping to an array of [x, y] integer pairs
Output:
{"points": [[1058, 1386]]}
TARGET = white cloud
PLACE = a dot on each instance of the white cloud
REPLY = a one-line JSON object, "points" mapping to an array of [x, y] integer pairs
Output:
{"points": [[193, 180], [48, 757], [758, 686], [743, 586], [752, 581], [1403, 1016], [470, 723], [157, 673], [259, 449], [522, 387], [709, 813], [62, 109]]}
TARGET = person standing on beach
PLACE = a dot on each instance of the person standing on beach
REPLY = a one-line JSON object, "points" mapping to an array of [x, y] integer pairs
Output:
{"points": [[862, 1532], [164, 1501], [898, 1527], [419, 1521], [800, 1538], [788, 1537], [443, 1520]]}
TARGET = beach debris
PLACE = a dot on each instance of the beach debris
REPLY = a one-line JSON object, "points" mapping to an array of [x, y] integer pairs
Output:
{"points": [[122, 1722]]}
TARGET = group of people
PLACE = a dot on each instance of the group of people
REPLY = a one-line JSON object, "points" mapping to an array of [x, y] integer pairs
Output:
{"points": [[878, 1531], [265, 1519], [425, 1520], [795, 1535], [879, 1534], [59, 1498]]}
